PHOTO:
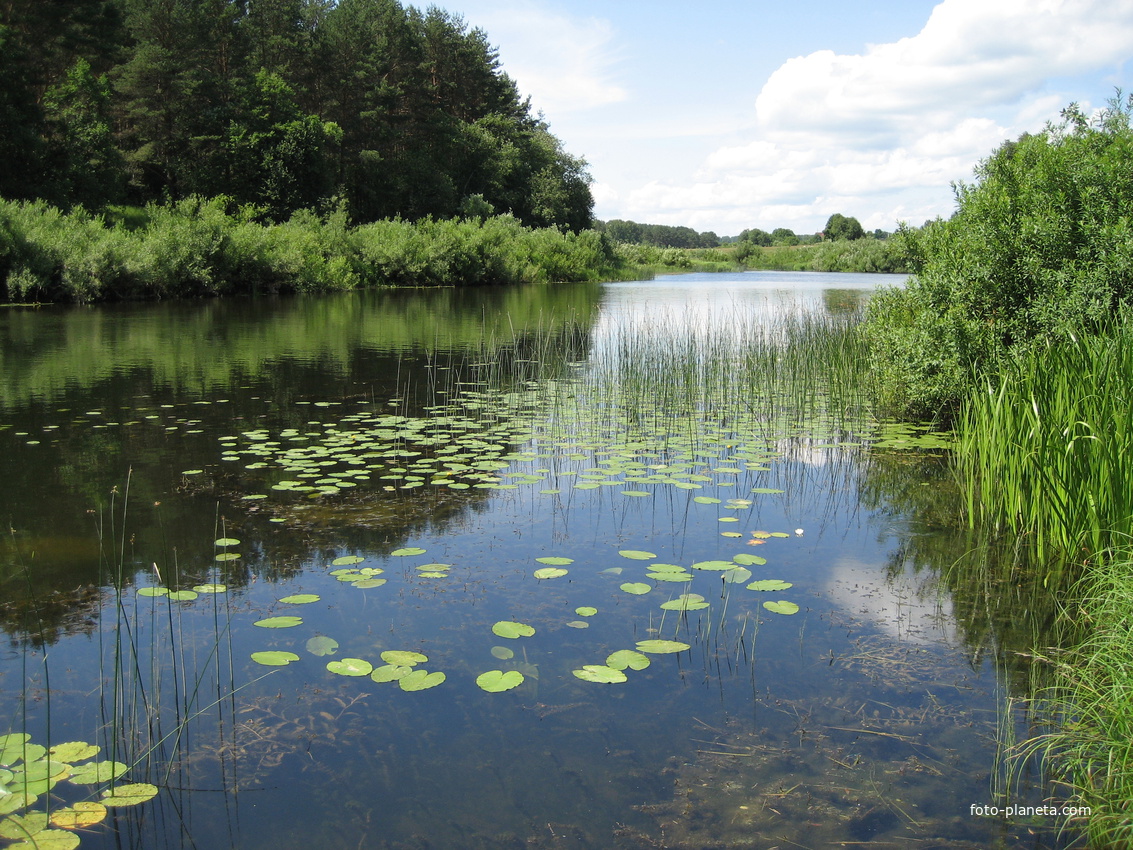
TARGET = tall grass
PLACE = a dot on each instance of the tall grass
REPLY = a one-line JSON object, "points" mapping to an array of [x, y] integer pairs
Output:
{"points": [[1046, 446], [1090, 706]]}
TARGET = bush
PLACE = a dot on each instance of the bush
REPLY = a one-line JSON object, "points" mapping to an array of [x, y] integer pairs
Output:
{"points": [[1040, 248]]}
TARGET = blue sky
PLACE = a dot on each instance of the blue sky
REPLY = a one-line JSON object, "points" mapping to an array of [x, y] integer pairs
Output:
{"points": [[725, 115]]}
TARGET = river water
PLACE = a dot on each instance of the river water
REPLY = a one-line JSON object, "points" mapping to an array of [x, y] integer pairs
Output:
{"points": [[362, 487]]}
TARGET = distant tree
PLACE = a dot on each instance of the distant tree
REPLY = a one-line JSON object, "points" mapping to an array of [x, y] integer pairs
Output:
{"points": [[784, 236], [756, 237], [839, 226]]}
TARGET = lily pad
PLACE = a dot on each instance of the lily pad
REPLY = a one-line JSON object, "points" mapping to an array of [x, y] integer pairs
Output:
{"points": [[129, 795], [600, 673], [153, 591], [74, 751], [749, 560], [351, 667], [770, 584], [24, 826], [624, 658], [210, 588], [555, 561], [737, 576], [226, 556], [49, 839], [301, 598], [636, 554], [403, 657], [347, 560], [95, 772], [409, 550], [661, 647], [713, 565], [420, 680], [183, 595], [274, 658], [322, 645], [585, 611], [578, 624], [80, 815], [227, 541], [781, 606], [765, 490], [368, 583], [390, 673], [550, 572], [636, 588], [278, 622], [496, 681], [502, 653], [509, 629]]}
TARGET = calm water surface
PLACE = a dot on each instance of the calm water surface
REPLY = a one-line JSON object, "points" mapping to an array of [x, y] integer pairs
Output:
{"points": [[394, 464]]}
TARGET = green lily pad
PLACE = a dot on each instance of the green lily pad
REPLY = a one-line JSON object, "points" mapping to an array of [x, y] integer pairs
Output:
{"points": [[496, 681], [713, 565], [502, 653], [183, 595], [347, 560], [278, 622], [670, 576], [23, 826], [274, 658], [706, 500], [765, 490], [95, 772], [420, 680], [686, 602], [227, 541], [129, 795], [749, 560], [624, 658], [781, 606], [368, 582], [636, 588], [636, 554], [351, 667], [153, 591], [600, 673], [322, 645], [409, 550], [49, 839], [550, 572], [585, 611], [613, 571], [661, 647], [73, 751], [509, 629], [403, 657], [210, 588], [301, 598], [555, 561], [390, 673], [769, 584], [737, 576], [79, 816], [226, 556], [578, 624]]}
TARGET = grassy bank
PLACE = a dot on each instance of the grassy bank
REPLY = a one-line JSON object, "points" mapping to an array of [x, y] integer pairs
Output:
{"points": [[858, 255], [200, 247]]}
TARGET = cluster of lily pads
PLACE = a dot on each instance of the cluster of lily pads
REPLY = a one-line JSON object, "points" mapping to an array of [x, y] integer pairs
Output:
{"points": [[30, 771]]}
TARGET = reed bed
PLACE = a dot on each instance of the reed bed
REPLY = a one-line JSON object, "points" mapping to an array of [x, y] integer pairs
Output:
{"points": [[1046, 447]]}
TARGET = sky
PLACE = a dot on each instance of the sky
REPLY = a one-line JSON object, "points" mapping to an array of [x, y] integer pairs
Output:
{"points": [[726, 115]]}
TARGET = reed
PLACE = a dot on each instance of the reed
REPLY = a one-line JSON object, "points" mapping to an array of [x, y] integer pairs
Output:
{"points": [[1046, 447]]}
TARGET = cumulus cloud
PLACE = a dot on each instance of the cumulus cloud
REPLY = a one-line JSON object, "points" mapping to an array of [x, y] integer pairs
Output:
{"points": [[883, 133], [564, 63]]}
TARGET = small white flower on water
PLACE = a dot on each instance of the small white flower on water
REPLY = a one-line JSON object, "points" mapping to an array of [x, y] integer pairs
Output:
{"points": [[798, 532]]}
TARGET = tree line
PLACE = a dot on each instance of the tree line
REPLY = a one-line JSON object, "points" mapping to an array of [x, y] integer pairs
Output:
{"points": [[279, 105]]}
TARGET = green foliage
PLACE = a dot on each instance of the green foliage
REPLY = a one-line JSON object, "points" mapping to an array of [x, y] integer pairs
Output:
{"points": [[1040, 249], [839, 226], [284, 104], [199, 247], [861, 255], [658, 235], [1046, 447]]}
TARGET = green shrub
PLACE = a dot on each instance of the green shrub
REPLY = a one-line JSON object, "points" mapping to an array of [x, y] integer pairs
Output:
{"points": [[1040, 248]]}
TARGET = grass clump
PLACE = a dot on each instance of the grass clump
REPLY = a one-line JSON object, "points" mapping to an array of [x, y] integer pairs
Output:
{"points": [[1046, 446], [1091, 706]]}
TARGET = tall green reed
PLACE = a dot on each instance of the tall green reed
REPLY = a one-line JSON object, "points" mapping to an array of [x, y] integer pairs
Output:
{"points": [[1046, 447]]}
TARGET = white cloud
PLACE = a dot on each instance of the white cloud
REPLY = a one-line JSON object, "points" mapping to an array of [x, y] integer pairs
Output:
{"points": [[564, 63], [883, 133]]}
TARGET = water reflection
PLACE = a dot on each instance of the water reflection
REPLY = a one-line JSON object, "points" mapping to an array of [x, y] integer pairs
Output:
{"points": [[402, 432]]}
